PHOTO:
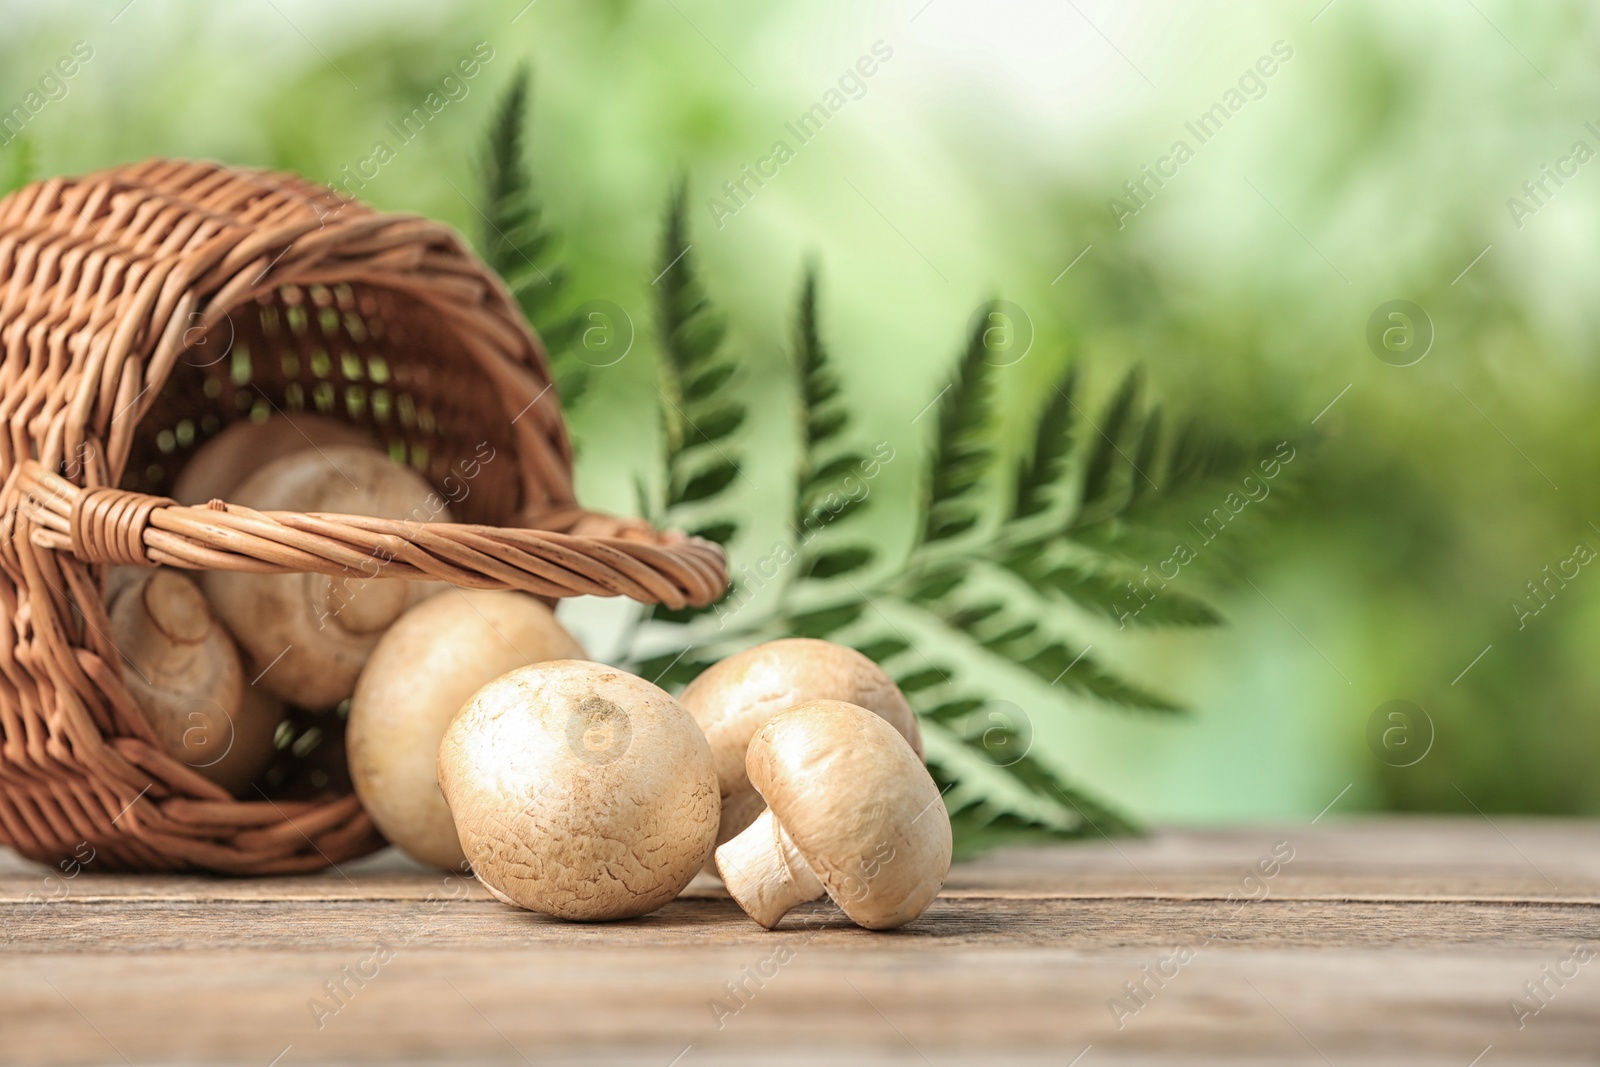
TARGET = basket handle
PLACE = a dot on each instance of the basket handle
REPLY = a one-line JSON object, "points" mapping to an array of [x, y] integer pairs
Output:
{"points": [[584, 554]]}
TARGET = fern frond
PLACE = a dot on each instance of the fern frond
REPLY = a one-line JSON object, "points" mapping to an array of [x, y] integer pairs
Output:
{"points": [[1134, 472], [1118, 591], [672, 671], [995, 737], [839, 561], [822, 498], [1005, 793], [1040, 471], [700, 412], [1013, 629], [824, 622], [961, 453], [1109, 472], [983, 822], [823, 414], [824, 418], [1198, 455], [514, 241]]}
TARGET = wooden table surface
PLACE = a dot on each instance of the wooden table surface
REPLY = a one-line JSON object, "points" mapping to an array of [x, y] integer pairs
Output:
{"points": [[1382, 941]]}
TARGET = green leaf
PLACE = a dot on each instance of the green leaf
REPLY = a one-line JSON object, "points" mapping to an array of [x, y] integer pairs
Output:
{"points": [[1135, 472], [1147, 605], [707, 483], [1199, 456], [823, 417], [1003, 629], [967, 618], [513, 239], [838, 561], [825, 621], [819, 385], [1124, 595], [831, 508], [1107, 458], [1057, 663], [827, 425], [1039, 471], [661, 613], [980, 824], [961, 451], [933, 586], [1107, 477], [1089, 678], [717, 423], [695, 373], [720, 532], [1145, 458], [699, 413], [828, 475], [672, 671], [953, 710], [710, 381], [917, 681], [883, 649], [1100, 820]]}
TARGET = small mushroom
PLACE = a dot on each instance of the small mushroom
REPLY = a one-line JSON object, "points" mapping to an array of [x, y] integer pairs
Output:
{"points": [[306, 636], [219, 465], [851, 811], [420, 674], [735, 698], [579, 790], [184, 673]]}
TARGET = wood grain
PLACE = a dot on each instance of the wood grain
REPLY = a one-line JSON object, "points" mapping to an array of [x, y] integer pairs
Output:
{"points": [[1395, 941]]}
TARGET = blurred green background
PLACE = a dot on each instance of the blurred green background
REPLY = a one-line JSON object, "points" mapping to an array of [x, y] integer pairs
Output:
{"points": [[1375, 163]]}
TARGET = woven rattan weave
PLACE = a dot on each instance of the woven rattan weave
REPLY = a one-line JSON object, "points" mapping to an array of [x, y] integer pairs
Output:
{"points": [[144, 308]]}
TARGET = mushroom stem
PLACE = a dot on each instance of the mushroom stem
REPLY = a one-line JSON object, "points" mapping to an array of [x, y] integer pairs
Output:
{"points": [[765, 873]]}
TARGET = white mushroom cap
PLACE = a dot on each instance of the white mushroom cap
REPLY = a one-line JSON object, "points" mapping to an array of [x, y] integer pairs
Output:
{"points": [[322, 627], [736, 697], [218, 466], [851, 812], [579, 790], [184, 673], [420, 674]]}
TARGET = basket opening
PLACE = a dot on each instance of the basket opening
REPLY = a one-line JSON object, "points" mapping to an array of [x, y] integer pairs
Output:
{"points": [[373, 357]]}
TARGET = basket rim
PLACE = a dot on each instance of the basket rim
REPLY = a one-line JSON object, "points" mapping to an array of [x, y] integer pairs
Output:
{"points": [[102, 277]]}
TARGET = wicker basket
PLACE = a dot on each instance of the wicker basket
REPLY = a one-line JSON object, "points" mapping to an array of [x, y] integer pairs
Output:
{"points": [[142, 309]]}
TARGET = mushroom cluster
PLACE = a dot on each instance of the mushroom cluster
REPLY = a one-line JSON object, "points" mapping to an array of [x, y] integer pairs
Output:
{"points": [[306, 636], [850, 812], [419, 675], [584, 792], [479, 737], [734, 699], [223, 666]]}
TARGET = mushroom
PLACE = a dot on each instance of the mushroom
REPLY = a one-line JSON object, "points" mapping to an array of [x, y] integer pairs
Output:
{"points": [[579, 790], [184, 673], [306, 636], [851, 811], [735, 698], [219, 465], [419, 675]]}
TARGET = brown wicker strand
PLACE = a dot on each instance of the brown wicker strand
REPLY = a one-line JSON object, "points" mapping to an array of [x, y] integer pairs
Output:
{"points": [[142, 310]]}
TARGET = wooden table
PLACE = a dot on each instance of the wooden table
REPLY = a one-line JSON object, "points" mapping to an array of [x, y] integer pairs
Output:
{"points": [[1384, 941]]}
